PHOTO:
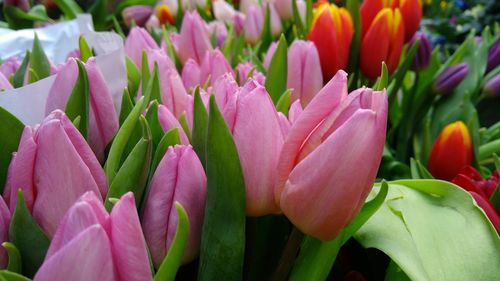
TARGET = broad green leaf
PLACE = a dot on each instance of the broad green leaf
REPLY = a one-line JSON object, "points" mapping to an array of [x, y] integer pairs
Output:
{"points": [[38, 60], [134, 172], [19, 19], [277, 73], [283, 104], [121, 139], [14, 257], [200, 126], [6, 275], [29, 239], [11, 130], [394, 273], [69, 8], [78, 101], [85, 50], [173, 259], [222, 248], [18, 79], [433, 230], [316, 257], [32, 76], [133, 77]]}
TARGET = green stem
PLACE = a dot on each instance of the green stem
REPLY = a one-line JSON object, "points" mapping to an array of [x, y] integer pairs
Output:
{"points": [[486, 150], [289, 255]]}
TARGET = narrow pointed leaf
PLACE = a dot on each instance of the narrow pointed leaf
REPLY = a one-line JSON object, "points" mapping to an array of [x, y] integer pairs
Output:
{"points": [[11, 129], [133, 77], [284, 102], [14, 264], [78, 101], [85, 50], [127, 106], [170, 138], [6, 275], [38, 60], [154, 123], [277, 73], [69, 8], [200, 126], [18, 79]]}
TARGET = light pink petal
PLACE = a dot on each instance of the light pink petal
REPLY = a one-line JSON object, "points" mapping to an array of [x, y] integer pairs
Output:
{"points": [[320, 107], [223, 89], [127, 241], [270, 54], [214, 66], [294, 111], [168, 122], [138, 40], [86, 257], [194, 39], [4, 83], [61, 176], [4, 230], [191, 74], [62, 87]]}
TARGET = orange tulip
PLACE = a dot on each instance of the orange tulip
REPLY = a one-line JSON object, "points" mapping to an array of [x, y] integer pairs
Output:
{"points": [[382, 42], [411, 11], [331, 32], [451, 151]]}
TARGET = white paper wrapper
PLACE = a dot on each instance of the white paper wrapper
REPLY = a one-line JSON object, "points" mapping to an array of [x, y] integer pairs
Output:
{"points": [[28, 103]]}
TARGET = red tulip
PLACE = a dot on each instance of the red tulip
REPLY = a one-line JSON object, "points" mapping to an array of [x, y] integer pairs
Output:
{"points": [[451, 151], [382, 42], [331, 32]]}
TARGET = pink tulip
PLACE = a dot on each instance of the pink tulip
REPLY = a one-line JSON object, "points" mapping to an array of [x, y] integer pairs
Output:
{"points": [[254, 23], [304, 71], [224, 89], [194, 39], [244, 70], [323, 178], [252, 118], [191, 74], [168, 122], [53, 166], [284, 8], [274, 19], [218, 30], [269, 55], [103, 120], [294, 111], [4, 231], [10, 66], [137, 13], [239, 22], [245, 5], [138, 40], [4, 83], [223, 11], [214, 66], [91, 245], [179, 177]]}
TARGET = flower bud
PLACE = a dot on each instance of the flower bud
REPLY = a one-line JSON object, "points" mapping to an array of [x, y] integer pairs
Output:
{"points": [[449, 79], [137, 13], [423, 56]]}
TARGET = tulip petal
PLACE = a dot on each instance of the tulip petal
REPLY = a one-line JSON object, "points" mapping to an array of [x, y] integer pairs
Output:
{"points": [[127, 241], [168, 122], [62, 87], [138, 40], [86, 257]]}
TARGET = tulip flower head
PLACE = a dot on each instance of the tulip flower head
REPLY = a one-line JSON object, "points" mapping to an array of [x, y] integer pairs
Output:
{"points": [[424, 51], [451, 151], [164, 14], [4, 231], [53, 166], [449, 79], [493, 56], [492, 86], [137, 41], [4, 83], [194, 40], [382, 42], [323, 179], [331, 32], [137, 13]]}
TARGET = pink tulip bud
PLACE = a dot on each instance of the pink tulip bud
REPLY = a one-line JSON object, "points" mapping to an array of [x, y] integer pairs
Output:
{"points": [[4, 231], [245, 5], [214, 66], [323, 178], [191, 74], [224, 88], [269, 55], [252, 118], [304, 71], [239, 22], [53, 166], [4, 83], [223, 11], [137, 41], [274, 19], [284, 8], [103, 120], [254, 23], [168, 122], [137, 13], [10, 66], [91, 245], [244, 70], [194, 40], [219, 30], [179, 178]]}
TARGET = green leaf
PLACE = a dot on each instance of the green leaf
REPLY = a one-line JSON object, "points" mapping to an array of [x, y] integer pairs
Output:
{"points": [[99, 14], [418, 171], [200, 127], [277, 73], [18, 79], [134, 172], [18, 18], [85, 50], [383, 80], [29, 239], [284, 102], [184, 124], [32, 76], [172, 262], [133, 76], [316, 257], [394, 273], [154, 123], [121, 139], [297, 20], [11, 130], [69, 8], [420, 218], [14, 264], [169, 139], [127, 106], [266, 35], [38, 60], [6, 275], [145, 73], [353, 8], [309, 15], [223, 240], [78, 101], [171, 50], [488, 149]]}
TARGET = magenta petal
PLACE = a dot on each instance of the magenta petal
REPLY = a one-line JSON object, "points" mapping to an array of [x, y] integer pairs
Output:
{"points": [[127, 241], [86, 257], [138, 40], [62, 87]]}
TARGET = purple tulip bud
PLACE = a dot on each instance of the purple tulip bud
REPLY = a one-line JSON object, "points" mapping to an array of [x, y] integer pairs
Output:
{"points": [[492, 87], [137, 13], [493, 56], [449, 79], [10, 66], [424, 51]]}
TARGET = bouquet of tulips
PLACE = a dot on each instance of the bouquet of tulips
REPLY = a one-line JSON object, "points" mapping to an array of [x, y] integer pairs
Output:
{"points": [[247, 140]]}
